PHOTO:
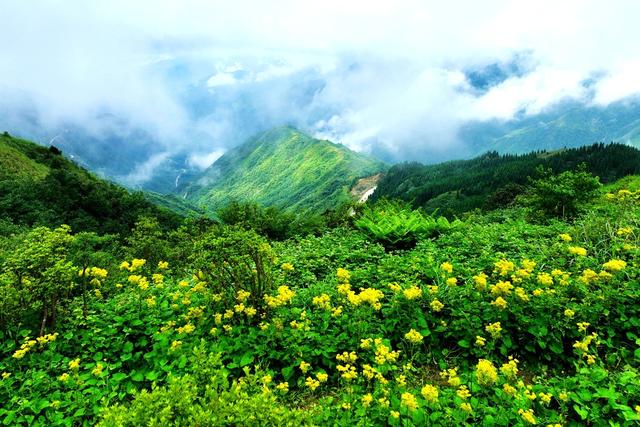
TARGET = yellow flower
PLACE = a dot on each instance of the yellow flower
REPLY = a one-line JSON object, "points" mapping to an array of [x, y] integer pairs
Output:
{"points": [[564, 396], [577, 250], [452, 281], [412, 293], [266, 380], [287, 266], [614, 265], [466, 407], [242, 295], [97, 370], [64, 377], [510, 369], [409, 401], [545, 398], [486, 373], [582, 326], [6, 375], [283, 387], [500, 303], [623, 231], [447, 266], [414, 336], [509, 389], [304, 366], [565, 237], [480, 341], [343, 275], [569, 313], [545, 279], [367, 399], [494, 329], [74, 364], [480, 281], [436, 305], [163, 265], [463, 392], [501, 288], [527, 415], [175, 345], [312, 383], [322, 377], [322, 301], [394, 414], [504, 267], [430, 393]]}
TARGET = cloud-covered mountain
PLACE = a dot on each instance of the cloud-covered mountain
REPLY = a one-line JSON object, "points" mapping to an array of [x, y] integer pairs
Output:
{"points": [[153, 92]]}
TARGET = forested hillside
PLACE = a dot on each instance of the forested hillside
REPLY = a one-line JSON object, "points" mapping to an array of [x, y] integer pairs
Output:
{"points": [[38, 186], [285, 168], [494, 180]]}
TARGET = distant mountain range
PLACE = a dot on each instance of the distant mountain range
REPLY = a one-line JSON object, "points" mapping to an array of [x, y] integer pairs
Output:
{"points": [[282, 167]]}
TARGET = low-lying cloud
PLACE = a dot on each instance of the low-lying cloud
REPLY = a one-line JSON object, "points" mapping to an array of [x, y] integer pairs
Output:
{"points": [[397, 79]]}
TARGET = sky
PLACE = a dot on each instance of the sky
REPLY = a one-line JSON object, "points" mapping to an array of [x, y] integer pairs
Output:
{"points": [[396, 77]]}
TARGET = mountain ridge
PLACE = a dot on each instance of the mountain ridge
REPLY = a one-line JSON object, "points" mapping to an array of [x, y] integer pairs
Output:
{"points": [[282, 167]]}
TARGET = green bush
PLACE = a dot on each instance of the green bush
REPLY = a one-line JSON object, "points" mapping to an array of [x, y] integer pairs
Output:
{"points": [[396, 225]]}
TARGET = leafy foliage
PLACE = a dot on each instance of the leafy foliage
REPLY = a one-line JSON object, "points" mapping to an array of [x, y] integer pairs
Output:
{"points": [[396, 225]]}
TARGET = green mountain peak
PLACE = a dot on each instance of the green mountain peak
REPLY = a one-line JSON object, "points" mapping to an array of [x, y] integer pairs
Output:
{"points": [[282, 167]]}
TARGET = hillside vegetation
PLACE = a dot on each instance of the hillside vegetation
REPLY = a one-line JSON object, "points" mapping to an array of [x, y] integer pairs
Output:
{"points": [[38, 186], [493, 180], [392, 317], [285, 168]]}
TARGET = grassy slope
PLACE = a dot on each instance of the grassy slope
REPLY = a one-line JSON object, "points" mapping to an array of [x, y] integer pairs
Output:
{"points": [[41, 187], [284, 167]]}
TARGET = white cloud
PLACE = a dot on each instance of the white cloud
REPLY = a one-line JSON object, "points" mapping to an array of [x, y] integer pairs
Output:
{"points": [[392, 72]]}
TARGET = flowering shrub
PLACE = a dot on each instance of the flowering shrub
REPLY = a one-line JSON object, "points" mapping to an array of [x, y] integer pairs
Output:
{"points": [[499, 322]]}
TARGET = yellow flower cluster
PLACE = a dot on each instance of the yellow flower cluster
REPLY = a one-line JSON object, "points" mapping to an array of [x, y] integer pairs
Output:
{"points": [[614, 265], [163, 265], [414, 336], [500, 303], [242, 295], [494, 329], [409, 401], [436, 305], [452, 377], [510, 369], [348, 371], [481, 281], [430, 393], [463, 392], [134, 265], [527, 415], [486, 373], [577, 250], [412, 292], [347, 357], [322, 301], [501, 288], [287, 266], [283, 297], [504, 267], [30, 344], [447, 267], [74, 365], [383, 353], [545, 279], [97, 371], [369, 296], [565, 237], [312, 383]]}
